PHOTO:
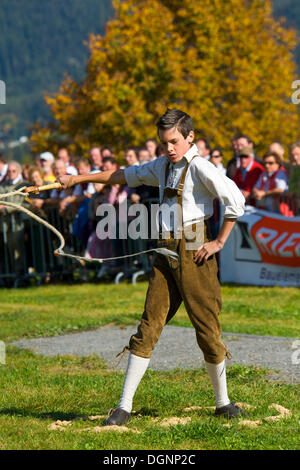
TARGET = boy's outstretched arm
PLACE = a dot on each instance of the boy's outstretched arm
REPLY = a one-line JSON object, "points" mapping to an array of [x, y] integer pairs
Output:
{"points": [[105, 177]]}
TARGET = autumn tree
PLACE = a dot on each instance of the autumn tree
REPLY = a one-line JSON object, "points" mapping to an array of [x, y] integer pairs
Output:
{"points": [[228, 63]]}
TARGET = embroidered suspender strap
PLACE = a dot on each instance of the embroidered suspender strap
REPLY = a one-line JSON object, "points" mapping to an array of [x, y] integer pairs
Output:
{"points": [[168, 239], [179, 194], [171, 192], [182, 180]]}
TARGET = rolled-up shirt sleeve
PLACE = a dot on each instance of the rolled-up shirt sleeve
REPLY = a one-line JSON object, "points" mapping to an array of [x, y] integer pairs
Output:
{"points": [[144, 174], [223, 188]]}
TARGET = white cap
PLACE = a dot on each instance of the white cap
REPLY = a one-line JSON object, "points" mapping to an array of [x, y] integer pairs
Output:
{"points": [[47, 156]]}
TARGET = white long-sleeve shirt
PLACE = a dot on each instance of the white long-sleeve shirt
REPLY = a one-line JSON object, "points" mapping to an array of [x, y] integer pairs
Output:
{"points": [[203, 183]]}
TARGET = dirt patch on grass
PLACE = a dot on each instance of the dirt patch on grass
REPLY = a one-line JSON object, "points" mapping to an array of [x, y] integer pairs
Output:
{"points": [[172, 421], [64, 425], [283, 413], [111, 428]]}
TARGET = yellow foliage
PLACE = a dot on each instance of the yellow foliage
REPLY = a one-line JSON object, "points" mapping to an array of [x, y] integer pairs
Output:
{"points": [[227, 63]]}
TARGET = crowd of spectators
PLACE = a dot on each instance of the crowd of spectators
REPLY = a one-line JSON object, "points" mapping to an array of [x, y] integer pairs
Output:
{"points": [[271, 183]]}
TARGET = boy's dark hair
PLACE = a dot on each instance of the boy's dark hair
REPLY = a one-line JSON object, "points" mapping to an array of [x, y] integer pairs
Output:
{"points": [[175, 118]]}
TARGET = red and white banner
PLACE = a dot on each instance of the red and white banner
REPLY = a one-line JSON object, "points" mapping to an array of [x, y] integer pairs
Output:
{"points": [[263, 249]]}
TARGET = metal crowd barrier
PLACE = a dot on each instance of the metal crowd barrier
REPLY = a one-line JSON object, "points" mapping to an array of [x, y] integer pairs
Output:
{"points": [[27, 249], [134, 267], [27, 253], [137, 266], [288, 204]]}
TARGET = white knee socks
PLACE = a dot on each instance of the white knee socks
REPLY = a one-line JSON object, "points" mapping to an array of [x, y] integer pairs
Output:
{"points": [[136, 368], [217, 374]]}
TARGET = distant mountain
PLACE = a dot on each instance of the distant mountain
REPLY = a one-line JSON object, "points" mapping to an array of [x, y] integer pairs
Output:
{"points": [[40, 41], [290, 9]]}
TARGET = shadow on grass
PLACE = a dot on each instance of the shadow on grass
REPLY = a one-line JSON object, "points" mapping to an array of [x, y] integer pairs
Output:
{"points": [[63, 416], [55, 415], [145, 412]]}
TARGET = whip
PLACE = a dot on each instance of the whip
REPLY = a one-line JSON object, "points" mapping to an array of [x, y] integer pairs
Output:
{"points": [[25, 191]]}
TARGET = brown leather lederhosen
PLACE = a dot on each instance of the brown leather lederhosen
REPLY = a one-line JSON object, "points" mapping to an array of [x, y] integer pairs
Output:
{"points": [[197, 286]]}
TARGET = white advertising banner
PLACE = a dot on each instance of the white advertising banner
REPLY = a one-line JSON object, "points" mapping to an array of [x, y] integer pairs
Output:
{"points": [[263, 249]]}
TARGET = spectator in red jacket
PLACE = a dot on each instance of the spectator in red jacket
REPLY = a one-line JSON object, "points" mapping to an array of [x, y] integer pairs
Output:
{"points": [[271, 183], [248, 173]]}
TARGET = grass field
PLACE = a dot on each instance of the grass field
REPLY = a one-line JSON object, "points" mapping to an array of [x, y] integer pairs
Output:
{"points": [[37, 391], [56, 309]]}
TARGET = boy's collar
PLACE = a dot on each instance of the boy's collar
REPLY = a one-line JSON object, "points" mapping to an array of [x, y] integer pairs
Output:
{"points": [[193, 150]]}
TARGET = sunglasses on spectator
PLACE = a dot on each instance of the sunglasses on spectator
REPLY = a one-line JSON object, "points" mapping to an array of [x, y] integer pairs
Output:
{"points": [[269, 163], [216, 156], [244, 156]]}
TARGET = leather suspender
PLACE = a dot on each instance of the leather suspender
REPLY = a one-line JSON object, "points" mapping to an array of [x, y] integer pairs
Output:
{"points": [[171, 192]]}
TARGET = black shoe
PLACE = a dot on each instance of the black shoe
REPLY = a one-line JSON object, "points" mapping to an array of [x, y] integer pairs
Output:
{"points": [[230, 411], [117, 418]]}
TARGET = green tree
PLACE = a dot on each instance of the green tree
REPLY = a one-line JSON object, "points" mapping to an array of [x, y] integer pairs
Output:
{"points": [[227, 63]]}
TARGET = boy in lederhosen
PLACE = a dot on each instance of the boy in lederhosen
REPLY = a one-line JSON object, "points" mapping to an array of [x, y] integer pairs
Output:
{"points": [[189, 184]]}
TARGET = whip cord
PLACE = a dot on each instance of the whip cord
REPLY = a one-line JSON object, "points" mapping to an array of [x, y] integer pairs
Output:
{"points": [[60, 250]]}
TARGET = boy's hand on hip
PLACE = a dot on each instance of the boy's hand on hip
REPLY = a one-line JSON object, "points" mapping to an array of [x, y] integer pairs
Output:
{"points": [[207, 250]]}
